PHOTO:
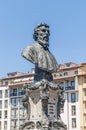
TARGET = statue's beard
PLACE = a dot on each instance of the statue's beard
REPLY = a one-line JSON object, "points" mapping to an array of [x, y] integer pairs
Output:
{"points": [[43, 42]]}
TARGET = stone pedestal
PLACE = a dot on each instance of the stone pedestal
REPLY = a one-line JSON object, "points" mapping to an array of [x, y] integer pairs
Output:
{"points": [[43, 101]]}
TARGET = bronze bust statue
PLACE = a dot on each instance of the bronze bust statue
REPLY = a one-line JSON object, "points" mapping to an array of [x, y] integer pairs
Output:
{"points": [[39, 54]]}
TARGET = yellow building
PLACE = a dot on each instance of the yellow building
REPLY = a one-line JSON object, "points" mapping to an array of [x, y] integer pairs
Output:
{"points": [[73, 78], [82, 95]]}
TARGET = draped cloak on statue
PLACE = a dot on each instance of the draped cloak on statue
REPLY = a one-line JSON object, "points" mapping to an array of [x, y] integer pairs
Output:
{"points": [[41, 57]]}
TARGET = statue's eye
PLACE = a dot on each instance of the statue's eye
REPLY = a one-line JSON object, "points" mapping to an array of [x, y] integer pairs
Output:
{"points": [[43, 30]]}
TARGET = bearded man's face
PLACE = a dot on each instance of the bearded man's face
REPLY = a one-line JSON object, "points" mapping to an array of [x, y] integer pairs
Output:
{"points": [[43, 36]]}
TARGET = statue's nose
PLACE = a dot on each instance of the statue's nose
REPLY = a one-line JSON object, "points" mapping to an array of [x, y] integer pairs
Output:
{"points": [[46, 32]]}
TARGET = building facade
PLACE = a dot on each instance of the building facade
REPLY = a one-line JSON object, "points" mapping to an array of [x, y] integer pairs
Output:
{"points": [[12, 112], [4, 108], [72, 76]]}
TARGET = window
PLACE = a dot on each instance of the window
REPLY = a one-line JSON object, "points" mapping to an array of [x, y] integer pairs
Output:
{"points": [[0, 104], [66, 84], [0, 93], [65, 73], [14, 113], [0, 125], [6, 93], [73, 84], [73, 97], [6, 83], [85, 105], [67, 64], [73, 108], [12, 124], [14, 101], [21, 113], [5, 114], [15, 92], [0, 114], [84, 79], [84, 92], [76, 72], [17, 100], [19, 93], [5, 125], [69, 85], [15, 123], [21, 122], [73, 122], [20, 101], [6, 104]]}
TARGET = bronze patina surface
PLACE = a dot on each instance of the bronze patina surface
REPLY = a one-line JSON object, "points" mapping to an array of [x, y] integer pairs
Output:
{"points": [[45, 64]]}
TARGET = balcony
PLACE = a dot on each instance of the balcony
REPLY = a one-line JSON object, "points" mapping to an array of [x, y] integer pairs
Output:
{"points": [[13, 94], [14, 105], [21, 93], [14, 127], [22, 116], [17, 94], [14, 116], [70, 88]]}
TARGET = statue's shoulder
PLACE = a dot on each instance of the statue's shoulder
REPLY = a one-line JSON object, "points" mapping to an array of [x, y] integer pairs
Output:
{"points": [[34, 47], [30, 47], [29, 52]]}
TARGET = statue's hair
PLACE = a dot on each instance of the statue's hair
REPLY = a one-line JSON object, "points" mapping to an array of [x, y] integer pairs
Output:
{"points": [[36, 30]]}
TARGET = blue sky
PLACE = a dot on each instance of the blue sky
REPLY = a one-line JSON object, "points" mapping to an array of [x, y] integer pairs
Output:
{"points": [[18, 18]]}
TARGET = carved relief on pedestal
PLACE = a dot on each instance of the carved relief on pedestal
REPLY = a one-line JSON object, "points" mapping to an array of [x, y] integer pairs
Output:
{"points": [[42, 101]]}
